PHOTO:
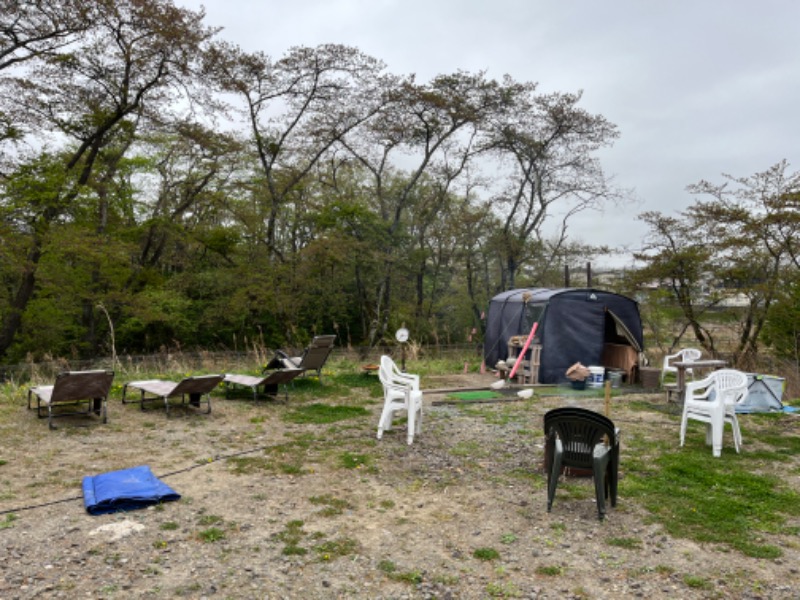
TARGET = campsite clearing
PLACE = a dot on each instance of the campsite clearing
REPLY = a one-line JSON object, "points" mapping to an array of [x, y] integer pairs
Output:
{"points": [[299, 500]]}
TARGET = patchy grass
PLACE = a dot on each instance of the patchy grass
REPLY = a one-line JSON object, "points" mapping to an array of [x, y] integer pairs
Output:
{"points": [[320, 414], [504, 589], [213, 534], [291, 536], [332, 506], [389, 568], [625, 542], [8, 522], [698, 583], [486, 554], [350, 460], [333, 549], [725, 500], [508, 538], [245, 465], [741, 505], [344, 382]]}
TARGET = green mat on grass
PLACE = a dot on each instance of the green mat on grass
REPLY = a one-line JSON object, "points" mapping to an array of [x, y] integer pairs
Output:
{"points": [[475, 395]]}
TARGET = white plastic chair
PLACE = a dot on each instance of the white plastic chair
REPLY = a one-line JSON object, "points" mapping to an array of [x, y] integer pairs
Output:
{"points": [[400, 392], [685, 355], [713, 401]]}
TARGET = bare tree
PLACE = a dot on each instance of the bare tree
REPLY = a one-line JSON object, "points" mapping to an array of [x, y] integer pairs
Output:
{"points": [[753, 225], [296, 108], [738, 242], [548, 144], [675, 257], [435, 128], [35, 29], [32, 30]]}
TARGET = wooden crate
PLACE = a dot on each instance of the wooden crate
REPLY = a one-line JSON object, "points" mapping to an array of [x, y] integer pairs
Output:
{"points": [[529, 368]]}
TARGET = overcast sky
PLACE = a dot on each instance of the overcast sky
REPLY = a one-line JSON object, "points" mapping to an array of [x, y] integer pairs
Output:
{"points": [[697, 88]]}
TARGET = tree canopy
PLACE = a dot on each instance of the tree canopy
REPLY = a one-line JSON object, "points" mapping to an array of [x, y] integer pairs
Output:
{"points": [[737, 245], [164, 180]]}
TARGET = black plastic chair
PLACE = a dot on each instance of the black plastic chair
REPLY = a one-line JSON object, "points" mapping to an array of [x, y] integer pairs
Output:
{"points": [[582, 439]]}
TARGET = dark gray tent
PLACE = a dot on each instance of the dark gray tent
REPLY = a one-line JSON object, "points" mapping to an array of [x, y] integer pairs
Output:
{"points": [[589, 326]]}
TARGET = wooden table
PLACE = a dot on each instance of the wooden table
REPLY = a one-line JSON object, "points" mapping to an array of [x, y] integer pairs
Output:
{"points": [[682, 366]]}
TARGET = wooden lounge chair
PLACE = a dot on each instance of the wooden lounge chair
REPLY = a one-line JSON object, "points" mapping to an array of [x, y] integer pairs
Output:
{"points": [[312, 359], [194, 387], [73, 389], [269, 382]]}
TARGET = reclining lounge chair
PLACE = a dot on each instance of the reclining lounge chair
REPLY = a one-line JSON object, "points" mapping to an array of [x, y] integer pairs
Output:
{"points": [[312, 359], [73, 388], [194, 387], [269, 382]]}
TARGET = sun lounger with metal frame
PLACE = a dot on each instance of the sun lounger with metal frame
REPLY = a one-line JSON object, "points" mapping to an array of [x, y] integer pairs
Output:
{"points": [[313, 358], [270, 382], [73, 389], [193, 387]]}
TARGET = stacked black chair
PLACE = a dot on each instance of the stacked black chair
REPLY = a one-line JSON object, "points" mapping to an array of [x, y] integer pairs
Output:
{"points": [[582, 439]]}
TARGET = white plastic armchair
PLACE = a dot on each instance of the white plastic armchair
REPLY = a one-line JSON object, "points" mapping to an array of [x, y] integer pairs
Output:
{"points": [[400, 393], [713, 401], [685, 355]]}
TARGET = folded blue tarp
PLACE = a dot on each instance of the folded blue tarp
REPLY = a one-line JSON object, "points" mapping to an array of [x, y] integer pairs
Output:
{"points": [[128, 489]]}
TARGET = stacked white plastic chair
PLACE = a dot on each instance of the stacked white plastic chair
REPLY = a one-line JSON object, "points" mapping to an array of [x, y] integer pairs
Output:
{"points": [[713, 401], [401, 393], [685, 355]]}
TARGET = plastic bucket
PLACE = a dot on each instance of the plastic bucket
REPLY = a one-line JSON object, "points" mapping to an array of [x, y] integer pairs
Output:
{"points": [[615, 377], [595, 379]]}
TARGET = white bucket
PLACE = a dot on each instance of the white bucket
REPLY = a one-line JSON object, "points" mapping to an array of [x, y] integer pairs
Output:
{"points": [[595, 379]]}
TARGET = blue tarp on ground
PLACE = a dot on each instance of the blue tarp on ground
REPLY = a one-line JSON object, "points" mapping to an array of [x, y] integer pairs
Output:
{"points": [[124, 490]]}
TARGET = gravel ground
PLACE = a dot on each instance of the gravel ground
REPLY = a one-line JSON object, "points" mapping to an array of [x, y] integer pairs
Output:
{"points": [[273, 509]]}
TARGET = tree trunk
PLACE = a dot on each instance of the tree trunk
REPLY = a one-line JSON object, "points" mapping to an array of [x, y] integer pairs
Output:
{"points": [[13, 320]]}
